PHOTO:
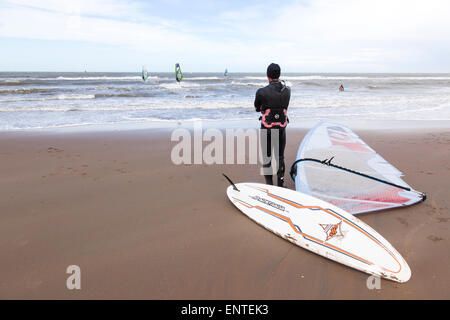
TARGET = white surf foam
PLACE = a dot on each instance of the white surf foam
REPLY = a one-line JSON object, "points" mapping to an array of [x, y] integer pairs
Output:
{"points": [[95, 78], [178, 86]]}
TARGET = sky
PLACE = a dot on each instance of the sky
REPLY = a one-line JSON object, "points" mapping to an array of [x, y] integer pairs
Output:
{"points": [[209, 36]]}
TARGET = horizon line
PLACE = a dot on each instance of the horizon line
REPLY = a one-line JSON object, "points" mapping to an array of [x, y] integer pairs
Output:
{"points": [[214, 72]]}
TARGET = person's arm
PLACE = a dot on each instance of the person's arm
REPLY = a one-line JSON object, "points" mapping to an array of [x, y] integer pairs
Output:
{"points": [[288, 96], [258, 101]]}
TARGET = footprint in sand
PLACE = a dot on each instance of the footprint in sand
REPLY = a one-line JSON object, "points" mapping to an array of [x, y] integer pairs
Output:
{"points": [[434, 238], [403, 221], [53, 150]]}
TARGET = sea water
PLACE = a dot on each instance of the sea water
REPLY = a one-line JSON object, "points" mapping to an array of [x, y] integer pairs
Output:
{"points": [[49, 100]]}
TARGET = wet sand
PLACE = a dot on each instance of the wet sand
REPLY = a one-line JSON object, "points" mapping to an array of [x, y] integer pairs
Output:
{"points": [[141, 227]]}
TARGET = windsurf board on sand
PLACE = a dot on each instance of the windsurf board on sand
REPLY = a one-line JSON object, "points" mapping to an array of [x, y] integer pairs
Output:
{"points": [[320, 227]]}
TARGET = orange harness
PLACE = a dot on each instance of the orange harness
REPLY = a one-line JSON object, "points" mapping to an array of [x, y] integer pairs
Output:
{"points": [[274, 118]]}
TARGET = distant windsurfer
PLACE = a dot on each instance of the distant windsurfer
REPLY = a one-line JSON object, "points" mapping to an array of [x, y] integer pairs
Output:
{"points": [[144, 73], [178, 73], [272, 101], [341, 88]]}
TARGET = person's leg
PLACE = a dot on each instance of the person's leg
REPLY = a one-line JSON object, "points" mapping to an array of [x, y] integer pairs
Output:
{"points": [[266, 149], [281, 147]]}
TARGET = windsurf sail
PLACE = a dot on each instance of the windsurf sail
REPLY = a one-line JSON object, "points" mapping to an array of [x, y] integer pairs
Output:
{"points": [[337, 166], [144, 73], [178, 73], [225, 74]]}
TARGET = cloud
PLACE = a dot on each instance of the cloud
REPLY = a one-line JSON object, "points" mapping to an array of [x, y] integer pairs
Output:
{"points": [[50, 20], [101, 8], [375, 32], [319, 35], [97, 23], [351, 35]]}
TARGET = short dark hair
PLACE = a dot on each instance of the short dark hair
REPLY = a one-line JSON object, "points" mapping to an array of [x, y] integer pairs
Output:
{"points": [[273, 71]]}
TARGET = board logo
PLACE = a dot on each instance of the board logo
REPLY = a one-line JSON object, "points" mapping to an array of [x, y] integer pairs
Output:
{"points": [[269, 203], [341, 138], [332, 230]]}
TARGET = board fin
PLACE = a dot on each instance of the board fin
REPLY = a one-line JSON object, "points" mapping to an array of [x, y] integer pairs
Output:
{"points": [[231, 182]]}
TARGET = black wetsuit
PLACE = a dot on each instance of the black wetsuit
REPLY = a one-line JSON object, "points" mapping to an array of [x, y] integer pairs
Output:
{"points": [[275, 97]]}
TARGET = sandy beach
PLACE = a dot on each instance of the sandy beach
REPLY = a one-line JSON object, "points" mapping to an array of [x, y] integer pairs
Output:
{"points": [[141, 227]]}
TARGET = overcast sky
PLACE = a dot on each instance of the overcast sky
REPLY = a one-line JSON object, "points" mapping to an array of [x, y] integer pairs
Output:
{"points": [[302, 36]]}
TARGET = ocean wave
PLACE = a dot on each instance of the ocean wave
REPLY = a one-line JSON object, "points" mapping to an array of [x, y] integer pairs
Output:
{"points": [[312, 84], [248, 84], [155, 119], [145, 119], [49, 98], [126, 120], [415, 78], [202, 78], [255, 84], [94, 78], [190, 106], [75, 96], [27, 90], [346, 77], [35, 80], [383, 113], [178, 86], [309, 78], [58, 126], [11, 83], [123, 95]]}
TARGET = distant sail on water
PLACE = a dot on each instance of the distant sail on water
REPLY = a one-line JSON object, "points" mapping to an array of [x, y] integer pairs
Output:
{"points": [[144, 73], [178, 73], [337, 166], [225, 74]]}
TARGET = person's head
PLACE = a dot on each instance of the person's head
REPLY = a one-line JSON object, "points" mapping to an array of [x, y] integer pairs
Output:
{"points": [[273, 72]]}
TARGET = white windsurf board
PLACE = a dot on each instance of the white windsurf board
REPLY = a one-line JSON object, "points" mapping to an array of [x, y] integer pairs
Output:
{"points": [[320, 227]]}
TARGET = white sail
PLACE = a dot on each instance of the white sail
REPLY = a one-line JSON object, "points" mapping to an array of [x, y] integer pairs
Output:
{"points": [[359, 179]]}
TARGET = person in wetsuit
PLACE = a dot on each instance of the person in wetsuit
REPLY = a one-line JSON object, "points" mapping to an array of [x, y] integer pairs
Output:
{"points": [[272, 101]]}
